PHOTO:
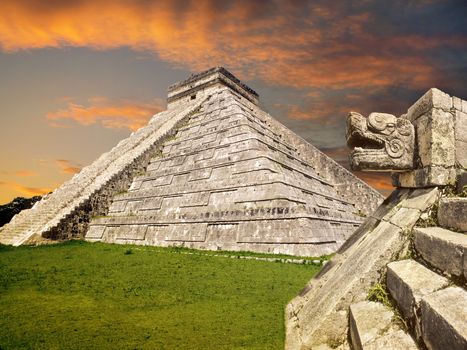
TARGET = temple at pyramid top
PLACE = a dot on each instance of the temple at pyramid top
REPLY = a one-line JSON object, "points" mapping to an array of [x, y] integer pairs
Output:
{"points": [[202, 84], [213, 171]]}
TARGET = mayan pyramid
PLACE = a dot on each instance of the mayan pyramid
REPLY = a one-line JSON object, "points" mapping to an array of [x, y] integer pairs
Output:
{"points": [[213, 171]]}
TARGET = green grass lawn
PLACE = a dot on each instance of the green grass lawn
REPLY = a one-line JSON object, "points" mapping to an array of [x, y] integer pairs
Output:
{"points": [[80, 295]]}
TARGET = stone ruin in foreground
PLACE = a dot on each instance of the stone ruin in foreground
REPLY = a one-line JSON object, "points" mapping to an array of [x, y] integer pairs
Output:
{"points": [[413, 247], [213, 171]]}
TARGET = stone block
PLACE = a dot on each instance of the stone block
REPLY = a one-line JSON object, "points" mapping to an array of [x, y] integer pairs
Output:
{"points": [[457, 103], [368, 321], [433, 98], [408, 281], [452, 213], [421, 198], [461, 126], [464, 106], [443, 249], [426, 177], [405, 218], [95, 232], [461, 153], [443, 319], [435, 138]]}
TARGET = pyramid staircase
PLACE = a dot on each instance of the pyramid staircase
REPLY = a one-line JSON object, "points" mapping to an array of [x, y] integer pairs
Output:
{"points": [[65, 202], [428, 291]]}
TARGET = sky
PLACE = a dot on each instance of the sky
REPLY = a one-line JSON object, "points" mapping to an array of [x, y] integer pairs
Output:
{"points": [[77, 76]]}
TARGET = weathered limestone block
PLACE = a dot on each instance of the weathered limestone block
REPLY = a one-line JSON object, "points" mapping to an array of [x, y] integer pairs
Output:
{"points": [[369, 321], [421, 199], [444, 321], [461, 125], [425, 177], [408, 281], [452, 213], [433, 98], [443, 249], [435, 138], [461, 153], [381, 142]]}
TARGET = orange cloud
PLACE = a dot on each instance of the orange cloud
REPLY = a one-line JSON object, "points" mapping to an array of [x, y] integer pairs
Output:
{"points": [[25, 173], [25, 190], [108, 113], [296, 44], [67, 167], [380, 181], [32, 191]]}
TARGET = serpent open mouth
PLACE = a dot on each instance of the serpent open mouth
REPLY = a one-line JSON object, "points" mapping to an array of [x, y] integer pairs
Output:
{"points": [[380, 142], [358, 136]]}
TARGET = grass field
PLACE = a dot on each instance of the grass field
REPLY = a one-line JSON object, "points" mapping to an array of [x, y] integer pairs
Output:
{"points": [[80, 295]]}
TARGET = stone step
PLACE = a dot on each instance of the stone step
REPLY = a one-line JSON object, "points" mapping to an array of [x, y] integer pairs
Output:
{"points": [[443, 249], [372, 327], [444, 319], [452, 213], [408, 282]]}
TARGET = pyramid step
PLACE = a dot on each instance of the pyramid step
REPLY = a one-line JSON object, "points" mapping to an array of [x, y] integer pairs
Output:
{"points": [[408, 282], [452, 213], [372, 327], [444, 249], [444, 319]]}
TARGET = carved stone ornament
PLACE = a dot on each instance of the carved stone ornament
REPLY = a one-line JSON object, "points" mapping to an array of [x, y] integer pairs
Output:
{"points": [[381, 142]]}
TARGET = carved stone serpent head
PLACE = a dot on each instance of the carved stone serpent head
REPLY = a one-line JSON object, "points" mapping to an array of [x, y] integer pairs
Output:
{"points": [[381, 142]]}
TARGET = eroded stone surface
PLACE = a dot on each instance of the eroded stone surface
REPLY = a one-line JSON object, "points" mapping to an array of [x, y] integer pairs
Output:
{"points": [[452, 213], [433, 98], [444, 321], [408, 281], [443, 249], [368, 321]]}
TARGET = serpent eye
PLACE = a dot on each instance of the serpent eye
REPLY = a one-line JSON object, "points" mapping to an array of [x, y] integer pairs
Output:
{"points": [[390, 127]]}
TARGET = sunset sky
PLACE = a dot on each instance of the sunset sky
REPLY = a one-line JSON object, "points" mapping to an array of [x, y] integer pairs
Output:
{"points": [[77, 76]]}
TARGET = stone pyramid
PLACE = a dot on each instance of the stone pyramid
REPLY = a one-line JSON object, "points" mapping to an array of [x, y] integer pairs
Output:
{"points": [[230, 178], [213, 171]]}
